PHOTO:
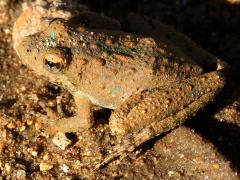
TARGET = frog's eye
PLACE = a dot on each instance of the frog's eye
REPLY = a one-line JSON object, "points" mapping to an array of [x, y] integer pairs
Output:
{"points": [[54, 63]]}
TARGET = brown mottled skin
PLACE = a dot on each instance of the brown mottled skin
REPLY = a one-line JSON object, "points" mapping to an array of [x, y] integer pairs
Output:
{"points": [[152, 86]]}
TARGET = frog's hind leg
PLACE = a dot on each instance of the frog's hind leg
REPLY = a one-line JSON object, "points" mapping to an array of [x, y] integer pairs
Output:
{"points": [[133, 140], [187, 98]]}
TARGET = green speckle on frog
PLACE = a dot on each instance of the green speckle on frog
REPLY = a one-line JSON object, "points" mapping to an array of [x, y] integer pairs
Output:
{"points": [[116, 90], [151, 88], [53, 36]]}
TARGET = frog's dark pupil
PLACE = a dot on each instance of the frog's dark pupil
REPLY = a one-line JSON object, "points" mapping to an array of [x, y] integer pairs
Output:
{"points": [[52, 66]]}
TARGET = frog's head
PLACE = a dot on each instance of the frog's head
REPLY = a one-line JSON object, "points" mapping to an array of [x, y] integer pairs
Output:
{"points": [[42, 50], [45, 60], [46, 54]]}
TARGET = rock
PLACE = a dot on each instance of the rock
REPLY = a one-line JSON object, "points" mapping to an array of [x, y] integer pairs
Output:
{"points": [[181, 154], [11, 125], [20, 174], [65, 168], [2, 146], [61, 140], [8, 168], [45, 166]]}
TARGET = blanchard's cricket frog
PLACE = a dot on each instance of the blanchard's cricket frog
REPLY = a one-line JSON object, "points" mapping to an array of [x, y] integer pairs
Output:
{"points": [[151, 86]]}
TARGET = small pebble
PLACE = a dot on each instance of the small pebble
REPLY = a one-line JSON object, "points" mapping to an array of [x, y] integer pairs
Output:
{"points": [[46, 156], [170, 173], [2, 147], [29, 122], [21, 174], [65, 168], [33, 152], [38, 125], [61, 140], [7, 31], [45, 166], [11, 125], [22, 128], [8, 168]]}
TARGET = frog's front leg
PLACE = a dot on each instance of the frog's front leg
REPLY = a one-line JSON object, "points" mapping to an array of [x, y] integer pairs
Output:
{"points": [[159, 110], [81, 121]]}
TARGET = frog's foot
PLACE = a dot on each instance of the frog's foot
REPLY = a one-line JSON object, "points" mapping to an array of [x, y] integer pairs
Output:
{"points": [[48, 119], [81, 121], [171, 109], [70, 124]]}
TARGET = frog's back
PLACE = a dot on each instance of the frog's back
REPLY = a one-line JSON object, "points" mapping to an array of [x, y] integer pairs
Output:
{"points": [[107, 66], [117, 64]]}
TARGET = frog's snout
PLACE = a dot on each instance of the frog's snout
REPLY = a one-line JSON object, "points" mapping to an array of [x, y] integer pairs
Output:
{"points": [[30, 54], [24, 51]]}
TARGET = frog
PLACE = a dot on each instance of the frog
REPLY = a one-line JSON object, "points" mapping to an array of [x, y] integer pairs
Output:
{"points": [[150, 86]]}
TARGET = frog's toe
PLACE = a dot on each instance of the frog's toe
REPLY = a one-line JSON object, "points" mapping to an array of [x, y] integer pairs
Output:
{"points": [[70, 124]]}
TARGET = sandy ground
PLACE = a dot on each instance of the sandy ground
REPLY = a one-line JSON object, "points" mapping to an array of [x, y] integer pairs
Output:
{"points": [[206, 147]]}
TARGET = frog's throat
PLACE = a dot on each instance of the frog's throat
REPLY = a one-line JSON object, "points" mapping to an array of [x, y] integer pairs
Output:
{"points": [[94, 100]]}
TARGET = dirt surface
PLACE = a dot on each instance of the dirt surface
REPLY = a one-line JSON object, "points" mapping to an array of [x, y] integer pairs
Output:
{"points": [[208, 148]]}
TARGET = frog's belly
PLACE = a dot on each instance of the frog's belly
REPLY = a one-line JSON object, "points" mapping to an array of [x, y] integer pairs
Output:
{"points": [[97, 99], [106, 90], [115, 93]]}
